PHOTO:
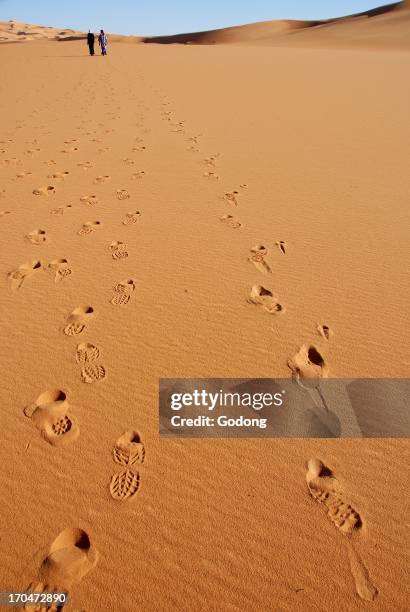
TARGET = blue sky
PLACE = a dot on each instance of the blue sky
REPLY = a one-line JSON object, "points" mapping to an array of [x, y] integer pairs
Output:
{"points": [[150, 17]]}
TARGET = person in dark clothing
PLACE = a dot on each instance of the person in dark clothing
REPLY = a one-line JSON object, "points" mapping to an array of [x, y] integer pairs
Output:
{"points": [[90, 42]]}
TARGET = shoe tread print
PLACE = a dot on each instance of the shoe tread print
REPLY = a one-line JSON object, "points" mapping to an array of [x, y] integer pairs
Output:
{"points": [[124, 485], [129, 456]]}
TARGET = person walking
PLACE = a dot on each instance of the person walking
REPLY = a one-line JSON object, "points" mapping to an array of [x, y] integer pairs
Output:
{"points": [[90, 41], [103, 41]]}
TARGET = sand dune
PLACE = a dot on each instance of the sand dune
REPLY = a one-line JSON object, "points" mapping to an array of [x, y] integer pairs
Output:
{"points": [[385, 26], [17, 31], [200, 211]]}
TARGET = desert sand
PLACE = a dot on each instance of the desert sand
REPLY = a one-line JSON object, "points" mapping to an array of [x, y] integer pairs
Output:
{"points": [[145, 198]]}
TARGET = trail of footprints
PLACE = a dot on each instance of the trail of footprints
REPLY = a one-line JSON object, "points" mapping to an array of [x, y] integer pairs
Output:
{"points": [[51, 414], [71, 555], [307, 363]]}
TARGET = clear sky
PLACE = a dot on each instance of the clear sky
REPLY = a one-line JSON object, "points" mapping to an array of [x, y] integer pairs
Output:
{"points": [[155, 17]]}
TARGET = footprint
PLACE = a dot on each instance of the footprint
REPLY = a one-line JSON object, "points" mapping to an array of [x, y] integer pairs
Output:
{"points": [[265, 298], [281, 244], [118, 250], [257, 257], [40, 191], [50, 162], [21, 175], [327, 491], [91, 200], [230, 221], [210, 161], [60, 268], [308, 363], [129, 449], [77, 320], [93, 372], [38, 236], [89, 227], [128, 161], [60, 210], [230, 197], [23, 272], [70, 150], [59, 175], [85, 165], [131, 217], [325, 331], [124, 485], [71, 557], [122, 194], [211, 175], [87, 355], [122, 292], [50, 414], [14, 161], [138, 175], [102, 179], [137, 149], [3, 213]]}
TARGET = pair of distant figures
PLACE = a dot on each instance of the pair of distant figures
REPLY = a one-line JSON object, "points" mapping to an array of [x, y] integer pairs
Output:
{"points": [[102, 41]]}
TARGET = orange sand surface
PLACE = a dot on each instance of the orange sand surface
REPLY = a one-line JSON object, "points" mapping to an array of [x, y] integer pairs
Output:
{"points": [[141, 182]]}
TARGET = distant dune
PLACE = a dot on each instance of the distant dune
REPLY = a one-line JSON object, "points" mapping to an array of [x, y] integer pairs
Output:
{"points": [[386, 26], [17, 31]]}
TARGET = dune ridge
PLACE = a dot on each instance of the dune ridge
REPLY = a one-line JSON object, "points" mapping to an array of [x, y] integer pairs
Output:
{"points": [[386, 25]]}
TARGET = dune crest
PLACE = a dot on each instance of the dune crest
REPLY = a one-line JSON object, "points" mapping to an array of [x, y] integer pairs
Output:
{"points": [[386, 25]]}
